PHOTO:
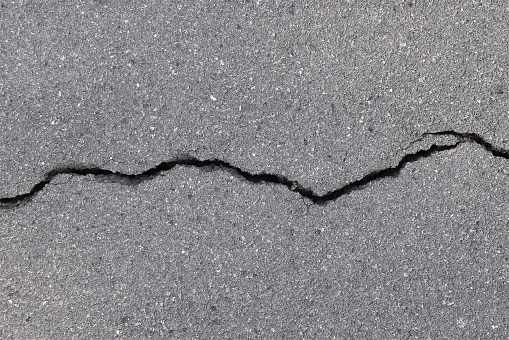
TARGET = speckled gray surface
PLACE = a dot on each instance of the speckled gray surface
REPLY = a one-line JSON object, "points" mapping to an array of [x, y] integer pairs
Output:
{"points": [[202, 254], [323, 94]]}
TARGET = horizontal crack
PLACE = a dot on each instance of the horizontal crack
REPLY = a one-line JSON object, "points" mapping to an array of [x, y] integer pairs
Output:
{"points": [[11, 202], [473, 137]]}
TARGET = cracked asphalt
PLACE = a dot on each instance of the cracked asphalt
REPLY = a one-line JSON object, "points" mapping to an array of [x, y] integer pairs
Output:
{"points": [[254, 169]]}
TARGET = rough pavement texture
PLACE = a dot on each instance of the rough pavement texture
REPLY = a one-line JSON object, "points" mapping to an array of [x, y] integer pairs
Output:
{"points": [[324, 92], [199, 253], [254, 169]]}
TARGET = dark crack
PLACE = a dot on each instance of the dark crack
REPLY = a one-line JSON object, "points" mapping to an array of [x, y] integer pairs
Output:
{"points": [[11, 202], [472, 137]]}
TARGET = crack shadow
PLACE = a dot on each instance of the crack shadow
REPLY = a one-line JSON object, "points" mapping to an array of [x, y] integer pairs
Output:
{"points": [[111, 176]]}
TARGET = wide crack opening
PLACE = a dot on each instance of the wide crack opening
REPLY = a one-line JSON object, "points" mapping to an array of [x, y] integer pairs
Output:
{"points": [[11, 202]]}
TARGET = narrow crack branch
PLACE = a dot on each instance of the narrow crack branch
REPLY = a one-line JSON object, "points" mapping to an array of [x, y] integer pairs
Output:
{"points": [[11, 202], [472, 137]]}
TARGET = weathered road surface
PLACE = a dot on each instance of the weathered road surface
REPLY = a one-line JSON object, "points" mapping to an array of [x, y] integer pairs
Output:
{"points": [[254, 169]]}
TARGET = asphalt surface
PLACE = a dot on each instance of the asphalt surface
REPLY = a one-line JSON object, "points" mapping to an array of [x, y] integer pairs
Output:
{"points": [[324, 92], [254, 169]]}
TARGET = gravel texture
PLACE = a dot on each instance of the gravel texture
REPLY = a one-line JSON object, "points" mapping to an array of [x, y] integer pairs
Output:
{"points": [[322, 91], [202, 254], [254, 169]]}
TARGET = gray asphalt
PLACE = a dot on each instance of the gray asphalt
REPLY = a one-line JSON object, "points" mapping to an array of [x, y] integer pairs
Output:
{"points": [[324, 92], [398, 110], [199, 253]]}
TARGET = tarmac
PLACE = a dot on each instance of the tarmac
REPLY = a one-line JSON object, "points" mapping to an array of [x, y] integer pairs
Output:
{"points": [[254, 169]]}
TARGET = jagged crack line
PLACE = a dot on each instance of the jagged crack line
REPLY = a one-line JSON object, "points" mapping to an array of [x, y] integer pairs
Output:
{"points": [[11, 202], [254, 178], [379, 174]]}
